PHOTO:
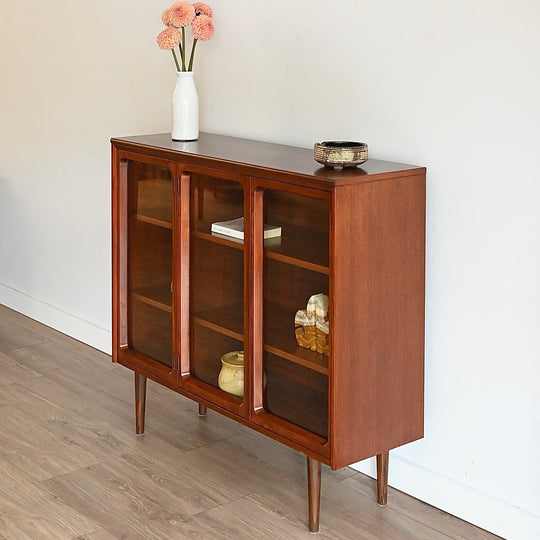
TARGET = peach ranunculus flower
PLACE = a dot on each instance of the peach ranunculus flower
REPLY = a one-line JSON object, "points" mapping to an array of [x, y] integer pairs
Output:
{"points": [[203, 9], [203, 28], [169, 38], [181, 14]]}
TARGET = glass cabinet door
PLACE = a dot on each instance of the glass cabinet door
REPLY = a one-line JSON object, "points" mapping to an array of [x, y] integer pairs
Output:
{"points": [[217, 291], [150, 261], [295, 306]]}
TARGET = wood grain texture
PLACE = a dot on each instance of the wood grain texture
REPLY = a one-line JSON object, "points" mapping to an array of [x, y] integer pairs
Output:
{"points": [[382, 478], [314, 493], [377, 376], [72, 467], [140, 403], [255, 158]]}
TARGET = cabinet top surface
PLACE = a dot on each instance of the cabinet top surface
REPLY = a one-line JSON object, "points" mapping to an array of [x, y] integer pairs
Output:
{"points": [[262, 159]]}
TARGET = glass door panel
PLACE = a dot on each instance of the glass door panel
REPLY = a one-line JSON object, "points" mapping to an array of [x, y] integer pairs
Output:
{"points": [[295, 310], [217, 278], [150, 260]]}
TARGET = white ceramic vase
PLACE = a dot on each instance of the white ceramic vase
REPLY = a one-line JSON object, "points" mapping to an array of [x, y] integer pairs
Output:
{"points": [[185, 108]]}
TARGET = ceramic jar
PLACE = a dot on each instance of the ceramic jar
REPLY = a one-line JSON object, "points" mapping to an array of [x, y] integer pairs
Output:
{"points": [[231, 376]]}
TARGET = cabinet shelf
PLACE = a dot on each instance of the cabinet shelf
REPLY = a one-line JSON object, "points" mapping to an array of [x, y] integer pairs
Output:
{"points": [[276, 256], [279, 339], [219, 239], [280, 342], [303, 357], [290, 248], [300, 247], [223, 321], [158, 217], [158, 296]]}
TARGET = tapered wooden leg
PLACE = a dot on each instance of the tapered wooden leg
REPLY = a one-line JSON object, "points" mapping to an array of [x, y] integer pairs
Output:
{"points": [[382, 478], [140, 403], [202, 409], [314, 493]]}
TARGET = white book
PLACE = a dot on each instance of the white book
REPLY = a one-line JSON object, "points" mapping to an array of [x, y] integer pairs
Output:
{"points": [[235, 228]]}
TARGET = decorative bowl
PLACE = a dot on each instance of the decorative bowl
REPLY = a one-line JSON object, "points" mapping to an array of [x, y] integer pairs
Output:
{"points": [[340, 154]]}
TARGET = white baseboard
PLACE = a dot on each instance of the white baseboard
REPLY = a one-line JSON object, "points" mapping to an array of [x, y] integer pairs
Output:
{"points": [[493, 515], [67, 323]]}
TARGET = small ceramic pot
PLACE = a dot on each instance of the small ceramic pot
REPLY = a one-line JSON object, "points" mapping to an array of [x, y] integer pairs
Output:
{"points": [[231, 376]]}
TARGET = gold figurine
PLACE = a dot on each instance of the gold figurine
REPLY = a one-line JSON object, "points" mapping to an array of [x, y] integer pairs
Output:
{"points": [[311, 325]]}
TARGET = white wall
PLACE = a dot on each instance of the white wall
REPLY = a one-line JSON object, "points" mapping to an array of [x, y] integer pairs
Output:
{"points": [[450, 85], [73, 74]]}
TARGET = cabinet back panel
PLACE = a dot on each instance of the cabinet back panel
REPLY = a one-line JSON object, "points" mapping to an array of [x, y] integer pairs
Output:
{"points": [[215, 199], [150, 331], [282, 207], [291, 286], [217, 277], [149, 255]]}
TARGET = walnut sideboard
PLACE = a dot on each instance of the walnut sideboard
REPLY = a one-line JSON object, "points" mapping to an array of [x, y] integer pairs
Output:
{"points": [[183, 296]]}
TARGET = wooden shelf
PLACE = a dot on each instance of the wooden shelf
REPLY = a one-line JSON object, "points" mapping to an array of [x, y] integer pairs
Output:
{"points": [[303, 357], [219, 239], [300, 247], [157, 216], [158, 296], [292, 247], [226, 320], [279, 340]]}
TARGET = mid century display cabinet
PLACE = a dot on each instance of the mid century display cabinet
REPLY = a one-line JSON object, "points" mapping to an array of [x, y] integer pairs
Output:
{"points": [[183, 296]]}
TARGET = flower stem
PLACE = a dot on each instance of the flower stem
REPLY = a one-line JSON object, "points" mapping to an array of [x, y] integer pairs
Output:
{"points": [[175, 60], [183, 49], [190, 67]]}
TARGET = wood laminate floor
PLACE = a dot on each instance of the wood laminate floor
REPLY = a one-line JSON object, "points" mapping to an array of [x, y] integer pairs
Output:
{"points": [[71, 466]]}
